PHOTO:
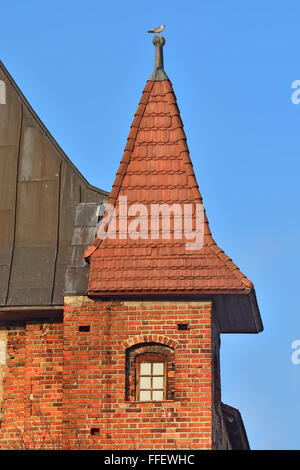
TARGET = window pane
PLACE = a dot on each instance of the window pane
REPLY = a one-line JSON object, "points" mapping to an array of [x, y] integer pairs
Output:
{"points": [[158, 368], [158, 395], [145, 368], [145, 382], [145, 395], [158, 382]]}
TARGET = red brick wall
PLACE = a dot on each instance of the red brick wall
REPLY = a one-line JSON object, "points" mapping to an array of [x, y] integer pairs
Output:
{"points": [[31, 399], [94, 375], [59, 383]]}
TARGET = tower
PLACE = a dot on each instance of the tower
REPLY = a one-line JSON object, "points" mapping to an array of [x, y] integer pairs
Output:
{"points": [[141, 349]]}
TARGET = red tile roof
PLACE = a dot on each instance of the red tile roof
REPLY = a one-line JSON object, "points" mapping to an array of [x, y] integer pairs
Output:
{"points": [[156, 168]]}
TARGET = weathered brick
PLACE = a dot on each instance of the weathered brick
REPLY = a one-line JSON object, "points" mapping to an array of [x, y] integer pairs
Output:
{"points": [[77, 381]]}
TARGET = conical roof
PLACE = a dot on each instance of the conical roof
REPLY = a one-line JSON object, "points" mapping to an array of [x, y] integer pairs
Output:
{"points": [[156, 169]]}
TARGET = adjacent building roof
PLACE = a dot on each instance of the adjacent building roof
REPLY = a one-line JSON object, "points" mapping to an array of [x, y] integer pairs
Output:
{"points": [[39, 186], [235, 428], [156, 169]]}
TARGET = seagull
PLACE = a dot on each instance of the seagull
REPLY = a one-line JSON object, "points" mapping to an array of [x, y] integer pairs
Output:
{"points": [[157, 30]]}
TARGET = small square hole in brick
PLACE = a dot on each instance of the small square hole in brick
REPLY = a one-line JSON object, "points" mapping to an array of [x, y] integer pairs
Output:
{"points": [[95, 431], [183, 326], [84, 328]]}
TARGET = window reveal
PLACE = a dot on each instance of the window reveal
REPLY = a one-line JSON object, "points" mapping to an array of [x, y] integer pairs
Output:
{"points": [[150, 372]]}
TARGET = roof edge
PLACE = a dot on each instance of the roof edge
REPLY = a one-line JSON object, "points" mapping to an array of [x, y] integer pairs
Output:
{"points": [[236, 311], [235, 428], [47, 132]]}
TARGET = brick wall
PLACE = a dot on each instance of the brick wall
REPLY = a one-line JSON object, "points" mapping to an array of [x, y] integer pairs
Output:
{"points": [[3, 345], [71, 384], [31, 386], [95, 403]]}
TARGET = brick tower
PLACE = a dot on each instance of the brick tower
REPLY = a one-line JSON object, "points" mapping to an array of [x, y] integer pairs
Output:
{"points": [[141, 349]]}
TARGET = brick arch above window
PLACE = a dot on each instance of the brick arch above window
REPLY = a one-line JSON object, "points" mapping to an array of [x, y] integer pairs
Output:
{"points": [[151, 338]]}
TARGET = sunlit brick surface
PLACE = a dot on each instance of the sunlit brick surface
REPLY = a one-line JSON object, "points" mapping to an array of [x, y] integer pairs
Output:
{"points": [[95, 370]]}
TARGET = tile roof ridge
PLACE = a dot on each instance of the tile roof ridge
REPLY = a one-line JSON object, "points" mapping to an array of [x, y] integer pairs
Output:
{"points": [[209, 241], [212, 245], [135, 126], [181, 141]]}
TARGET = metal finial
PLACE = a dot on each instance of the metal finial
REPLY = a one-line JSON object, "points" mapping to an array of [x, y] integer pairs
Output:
{"points": [[158, 73]]}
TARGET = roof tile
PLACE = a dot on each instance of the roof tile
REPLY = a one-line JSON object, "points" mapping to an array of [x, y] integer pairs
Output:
{"points": [[156, 169]]}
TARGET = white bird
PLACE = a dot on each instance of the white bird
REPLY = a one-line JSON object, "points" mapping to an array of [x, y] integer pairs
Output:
{"points": [[157, 30]]}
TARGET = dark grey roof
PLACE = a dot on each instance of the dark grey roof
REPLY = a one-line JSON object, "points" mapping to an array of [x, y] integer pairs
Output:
{"points": [[235, 428], [85, 222], [39, 187]]}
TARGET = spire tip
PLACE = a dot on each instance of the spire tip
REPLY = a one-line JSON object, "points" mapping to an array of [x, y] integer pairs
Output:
{"points": [[158, 73], [159, 40]]}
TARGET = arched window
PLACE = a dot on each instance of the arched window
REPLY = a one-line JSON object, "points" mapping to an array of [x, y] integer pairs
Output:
{"points": [[2, 92], [150, 372]]}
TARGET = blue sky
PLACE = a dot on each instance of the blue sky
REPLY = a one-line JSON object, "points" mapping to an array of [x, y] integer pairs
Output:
{"points": [[83, 65]]}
